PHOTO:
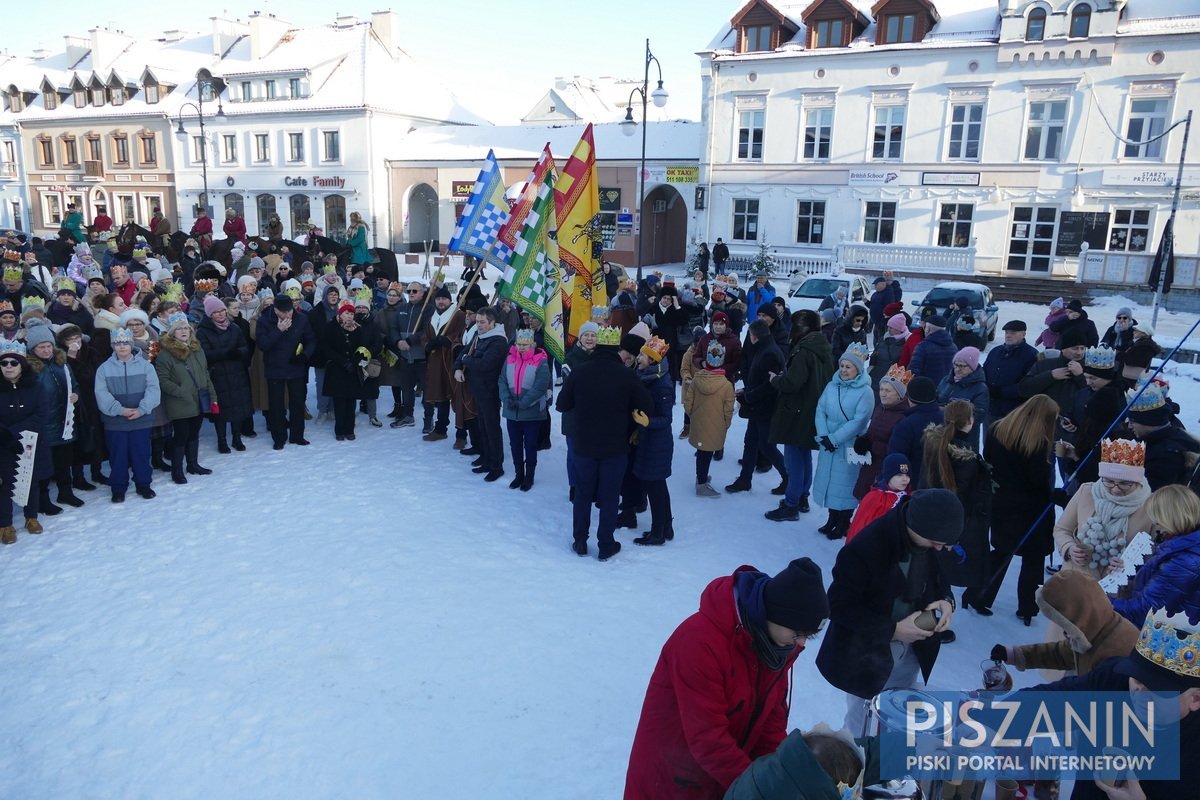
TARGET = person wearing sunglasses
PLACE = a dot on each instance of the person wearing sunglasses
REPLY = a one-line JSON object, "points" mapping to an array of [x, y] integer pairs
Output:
{"points": [[1119, 335], [20, 410]]}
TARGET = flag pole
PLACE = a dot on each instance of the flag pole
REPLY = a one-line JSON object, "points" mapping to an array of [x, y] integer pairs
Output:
{"points": [[1170, 242], [478, 273]]}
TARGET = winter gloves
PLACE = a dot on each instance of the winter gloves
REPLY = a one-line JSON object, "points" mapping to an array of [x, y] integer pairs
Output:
{"points": [[862, 445], [826, 443], [640, 417]]}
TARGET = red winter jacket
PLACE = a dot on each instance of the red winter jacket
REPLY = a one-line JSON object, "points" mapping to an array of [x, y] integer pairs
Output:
{"points": [[874, 505], [910, 344], [711, 708]]}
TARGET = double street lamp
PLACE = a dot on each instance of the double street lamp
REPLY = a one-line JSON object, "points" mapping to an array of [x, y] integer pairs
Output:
{"points": [[204, 86], [629, 127]]}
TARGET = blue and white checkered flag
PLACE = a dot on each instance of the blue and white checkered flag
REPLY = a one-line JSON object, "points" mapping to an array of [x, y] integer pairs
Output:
{"points": [[485, 213]]}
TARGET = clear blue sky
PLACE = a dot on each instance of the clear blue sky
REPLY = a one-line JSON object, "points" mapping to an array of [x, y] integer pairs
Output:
{"points": [[467, 41]]}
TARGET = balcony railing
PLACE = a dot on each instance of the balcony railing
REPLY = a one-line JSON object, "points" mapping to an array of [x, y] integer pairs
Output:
{"points": [[910, 258], [93, 169], [8, 171]]}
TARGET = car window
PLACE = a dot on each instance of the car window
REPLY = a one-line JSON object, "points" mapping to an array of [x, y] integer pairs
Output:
{"points": [[943, 297], [860, 290], [819, 287]]}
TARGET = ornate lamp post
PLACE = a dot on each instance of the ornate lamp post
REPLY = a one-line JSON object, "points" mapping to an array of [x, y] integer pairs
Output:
{"points": [[629, 127], [204, 85]]}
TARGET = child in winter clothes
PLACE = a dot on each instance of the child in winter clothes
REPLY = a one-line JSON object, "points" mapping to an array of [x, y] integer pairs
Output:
{"points": [[656, 443], [1049, 337], [708, 400], [524, 394], [893, 485]]}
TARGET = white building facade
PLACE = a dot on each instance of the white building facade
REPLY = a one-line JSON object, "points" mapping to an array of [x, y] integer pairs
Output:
{"points": [[964, 136]]}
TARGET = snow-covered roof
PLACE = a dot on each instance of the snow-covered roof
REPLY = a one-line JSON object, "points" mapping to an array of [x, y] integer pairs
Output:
{"points": [[1149, 18], [677, 140], [596, 99]]}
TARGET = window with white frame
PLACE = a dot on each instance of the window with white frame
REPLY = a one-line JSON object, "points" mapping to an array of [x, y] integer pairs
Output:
{"points": [[262, 147], [50, 99], [751, 127], [954, 224], [229, 147], [126, 209], [1045, 129], [247, 91], [966, 131], [1147, 119], [295, 146], [98, 96], [879, 223], [80, 96], [1130, 230], [294, 87], [745, 220], [818, 133], [270, 89], [331, 145], [10, 152], [148, 149], [810, 222], [52, 209], [889, 133], [118, 96], [152, 93], [1031, 238]]}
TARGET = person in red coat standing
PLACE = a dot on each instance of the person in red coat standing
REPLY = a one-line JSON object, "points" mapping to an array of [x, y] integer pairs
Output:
{"points": [[718, 697], [235, 226]]}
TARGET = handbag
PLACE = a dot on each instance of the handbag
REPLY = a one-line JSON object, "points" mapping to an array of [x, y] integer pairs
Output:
{"points": [[207, 406], [374, 367]]}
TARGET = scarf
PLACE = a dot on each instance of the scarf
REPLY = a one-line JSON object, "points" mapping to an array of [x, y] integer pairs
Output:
{"points": [[748, 590], [441, 319], [519, 361], [221, 326], [1106, 529]]}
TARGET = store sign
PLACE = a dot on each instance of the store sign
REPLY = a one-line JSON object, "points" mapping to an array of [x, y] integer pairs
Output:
{"points": [[873, 177], [683, 174], [610, 199], [461, 190], [949, 178], [317, 182], [1149, 176]]}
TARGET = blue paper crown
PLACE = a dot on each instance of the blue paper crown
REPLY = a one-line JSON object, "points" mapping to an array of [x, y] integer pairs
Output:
{"points": [[1170, 641], [1153, 398], [1102, 357], [856, 350]]}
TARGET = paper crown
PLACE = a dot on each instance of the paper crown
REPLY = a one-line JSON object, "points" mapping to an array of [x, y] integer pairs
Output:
{"points": [[727, 280], [6, 307], [121, 336], [858, 351], [608, 336], [1172, 642], [177, 318], [174, 293], [1100, 358], [13, 272], [329, 268], [899, 373], [92, 273], [715, 357], [10, 255], [11, 347], [65, 285], [1154, 397], [139, 252], [524, 335], [362, 297], [655, 349], [104, 236], [601, 312], [206, 285], [1128, 452], [32, 301]]}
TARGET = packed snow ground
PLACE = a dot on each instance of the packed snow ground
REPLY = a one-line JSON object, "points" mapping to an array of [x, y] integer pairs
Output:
{"points": [[370, 620]]}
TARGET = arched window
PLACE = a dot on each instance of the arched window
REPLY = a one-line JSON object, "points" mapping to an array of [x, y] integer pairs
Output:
{"points": [[335, 216], [235, 201], [1081, 21], [266, 207], [300, 214], [1035, 25]]}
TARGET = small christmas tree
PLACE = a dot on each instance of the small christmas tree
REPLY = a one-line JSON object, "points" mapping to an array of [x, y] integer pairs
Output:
{"points": [[763, 262]]}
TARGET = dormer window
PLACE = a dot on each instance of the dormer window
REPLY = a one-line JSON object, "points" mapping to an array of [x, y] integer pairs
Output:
{"points": [[757, 38], [49, 99], [1035, 25], [294, 89], [828, 33], [899, 28], [1081, 21], [98, 97], [13, 99], [152, 93], [118, 95], [80, 95]]}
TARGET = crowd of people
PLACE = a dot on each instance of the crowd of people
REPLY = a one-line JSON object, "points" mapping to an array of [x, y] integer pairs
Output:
{"points": [[936, 465]]}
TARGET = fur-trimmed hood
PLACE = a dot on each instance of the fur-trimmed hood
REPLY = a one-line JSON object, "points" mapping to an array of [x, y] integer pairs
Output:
{"points": [[177, 348], [1074, 601], [959, 452], [36, 365]]}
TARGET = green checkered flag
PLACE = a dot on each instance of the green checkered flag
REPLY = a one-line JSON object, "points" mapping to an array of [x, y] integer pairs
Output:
{"points": [[525, 280]]}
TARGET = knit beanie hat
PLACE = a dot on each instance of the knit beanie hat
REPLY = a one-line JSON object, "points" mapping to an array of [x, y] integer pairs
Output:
{"points": [[895, 464], [177, 320], [443, 292], [828, 317], [1075, 305], [632, 343], [213, 304], [968, 355], [641, 330], [720, 316], [1072, 337], [898, 378], [257, 263], [796, 599], [1058, 304], [935, 514], [921, 390], [856, 354], [37, 334], [936, 320], [246, 280], [896, 323], [345, 306], [1125, 311], [588, 327], [891, 309]]}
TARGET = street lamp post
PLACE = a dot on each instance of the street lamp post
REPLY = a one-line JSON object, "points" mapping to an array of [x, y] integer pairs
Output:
{"points": [[629, 125], [204, 84]]}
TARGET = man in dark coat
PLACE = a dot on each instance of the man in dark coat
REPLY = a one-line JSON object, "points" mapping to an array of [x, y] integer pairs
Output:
{"points": [[324, 312], [907, 436], [933, 358], [1170, 450], [884, 295], [757, 405], [793, 423], [1076, 319], [408, 325], [720, 254], [883, 581], [479, 364], [1119, 335], [287, 341], [1059, 379], [604, 394], [1004, 368], [669, 317], [718, 697]]}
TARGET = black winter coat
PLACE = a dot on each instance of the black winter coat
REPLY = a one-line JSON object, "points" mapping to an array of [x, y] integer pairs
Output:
{"points": [[656, 441], [759, 396], [669, 322], [856, 654], [809, 369], [1024, 487], [1170, 456], [20, 410], [908, 435], [844, 336], [1061, 326], [226, 351], [89, 429], [319, 318], [1100, 410], [1119, 340], [1039, 380], [338, 353], [973, 486], [482, 362], [1004, 368], [603, 392], [280, 360], [576, 357], [64, 315]]}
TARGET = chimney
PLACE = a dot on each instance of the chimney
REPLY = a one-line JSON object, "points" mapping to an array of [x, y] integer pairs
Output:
{"points": [[386, 27], [77, 47], [345, 21], [107, 44], [265, 32], [224, 33], [40, 53], [171, 36]]}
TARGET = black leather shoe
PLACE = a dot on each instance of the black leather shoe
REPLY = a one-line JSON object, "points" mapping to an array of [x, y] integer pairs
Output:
{"points": [[277, 446], [608, 552], [469, 451], [146, 492], [494, 475], [650, 538], [480, 470], [803, 507], [302, 442], [740, 485], [627, 519], [580, 548]]}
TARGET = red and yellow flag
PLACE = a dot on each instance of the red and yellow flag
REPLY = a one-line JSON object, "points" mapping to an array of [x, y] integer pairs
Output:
{"points": [[576, 207]]}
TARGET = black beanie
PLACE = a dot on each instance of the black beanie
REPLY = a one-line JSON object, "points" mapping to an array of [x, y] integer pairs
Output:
{"points": [[284, 303], [632, 344], [442, 292], [921, 390], [795, 598], [1073, 336], [935, 514]]}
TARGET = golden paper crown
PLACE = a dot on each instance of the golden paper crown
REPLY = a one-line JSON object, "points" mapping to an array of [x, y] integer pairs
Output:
{"points": [[363, 294], [139, 252], [655, 349], [64, 284], [900, 374], [174, 293], [6, 306], [13, 272], [32, 301], [609, 336], [1172, 642], [11, 255], [206, 285], [1123, 451]]}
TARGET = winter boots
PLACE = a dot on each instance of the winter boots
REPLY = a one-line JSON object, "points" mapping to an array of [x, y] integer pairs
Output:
{"points": [[193, 459], [518, 477], [32, 525], [68, 497], [222, 440], [784, 513], [79, 481], [687, 431], [527, 483], [656, 538], [237, 441], [706, 490], [627, 518], [740, 485], [837, 524], [8, 535], [158, 455], [47, 508], [177, 466]]}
